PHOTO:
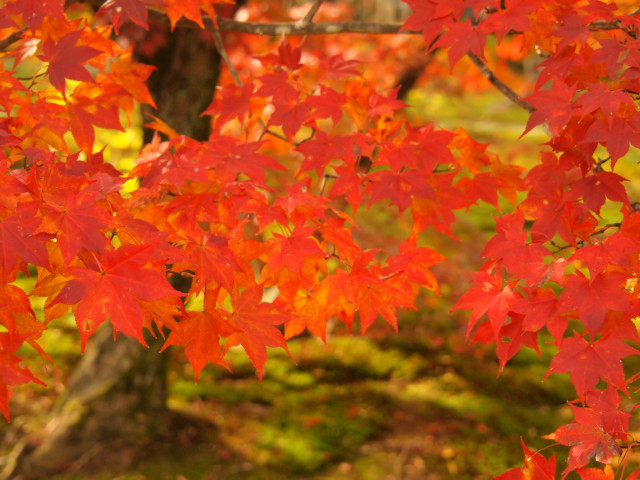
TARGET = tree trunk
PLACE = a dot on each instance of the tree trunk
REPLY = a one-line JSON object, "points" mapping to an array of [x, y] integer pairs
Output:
{"points": [[184, 82], [115, 403]]}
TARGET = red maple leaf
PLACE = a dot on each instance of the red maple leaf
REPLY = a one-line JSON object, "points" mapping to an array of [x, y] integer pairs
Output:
{"points": [[19, 241], [462, 37], [605, 404], [559, 65], [399, 189], [536, 467], [291, 115], [587, 362], [552, 106], [413, 263], [515, 16], [131, 77], [277, 86], [540, 308], [604, 474], [17, 319], [189, 9], [35, 11], [572, 30], [255, 322], [592, 297], [587, 442], [490, 296], [363, 290], [293, 251], [298, 206], [326, 104], [510, 339], [600, 96], [510, 244], [122, 10], [432, 146], [310, 311], [211, 259], [483, 186], [231, 102], [337, 67], [596, 188], [200, 333], [12, 372], [616, 133], [112, 289], [65, 60], [86, 112], [290, 56], [78, 223], [320, 150], [597, 256], [335, 233], [438, 212], [231, 157], [425, 19], [381, 298]]}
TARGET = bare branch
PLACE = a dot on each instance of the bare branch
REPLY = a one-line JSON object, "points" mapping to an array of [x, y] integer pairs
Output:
{"points": [[295, 28], [311, 13], [275, 134], [217, 40], [14, 37], [499, 84], [329, 28]]}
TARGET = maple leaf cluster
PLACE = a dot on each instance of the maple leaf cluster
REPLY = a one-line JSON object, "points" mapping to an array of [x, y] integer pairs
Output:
{"points": [[229, 214], [558, 262], [303, 145]]}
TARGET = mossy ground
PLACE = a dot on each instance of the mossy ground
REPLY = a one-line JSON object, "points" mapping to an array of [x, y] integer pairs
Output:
{"points": [[421, 404]]}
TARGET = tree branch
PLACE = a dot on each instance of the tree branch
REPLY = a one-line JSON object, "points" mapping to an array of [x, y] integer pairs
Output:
{"points": [[217, 40], [311, 13], [305, 27], [499, 84], [299, 28], [6, 42]]}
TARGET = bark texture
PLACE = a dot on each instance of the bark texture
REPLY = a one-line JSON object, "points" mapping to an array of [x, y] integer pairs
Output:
{"points": [[113, 406], [184, 82]]}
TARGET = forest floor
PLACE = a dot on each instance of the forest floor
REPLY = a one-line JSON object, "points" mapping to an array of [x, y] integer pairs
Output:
{"points": [[420, 404]]}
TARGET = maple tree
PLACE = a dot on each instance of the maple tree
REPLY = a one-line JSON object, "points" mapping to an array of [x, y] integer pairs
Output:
{"points": [[303, 143]]}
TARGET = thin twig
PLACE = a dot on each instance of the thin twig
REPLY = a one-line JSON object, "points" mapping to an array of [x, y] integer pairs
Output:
{"points": [[326, 177], [311, 13], [275, 134], [282, 137], [217, 40], [14, 37], [499, 84]]}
